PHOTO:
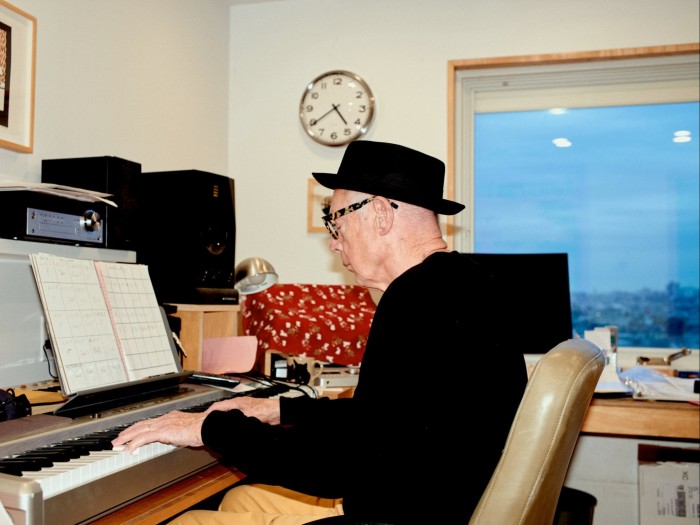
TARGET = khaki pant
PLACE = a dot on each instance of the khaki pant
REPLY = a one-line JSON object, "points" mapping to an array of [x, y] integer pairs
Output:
{"points": [[259, 504]]}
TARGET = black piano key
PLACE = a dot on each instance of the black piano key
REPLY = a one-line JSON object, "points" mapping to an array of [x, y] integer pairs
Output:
{"points": [[70, 452], [82, 449], [90, 444], [112, 433], [59, 454], [41, 460], [22, 464], [12, 470]]}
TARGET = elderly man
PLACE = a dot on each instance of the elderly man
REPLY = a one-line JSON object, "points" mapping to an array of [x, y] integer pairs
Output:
{"points": [[426, 411]]}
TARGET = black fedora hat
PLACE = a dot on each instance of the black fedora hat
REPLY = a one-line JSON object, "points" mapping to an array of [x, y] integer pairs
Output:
{"points": [[394, 172]]}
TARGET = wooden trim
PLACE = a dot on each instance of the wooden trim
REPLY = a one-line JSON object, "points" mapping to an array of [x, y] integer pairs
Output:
{"points": [[582, 56], [634, 418], [315, 196], [20, 137], [451, 76], [454, 66]]}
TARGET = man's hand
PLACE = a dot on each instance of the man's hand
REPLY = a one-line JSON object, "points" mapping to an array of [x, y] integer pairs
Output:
{"points": [[174, 428], [185, 429], [266, 410]]}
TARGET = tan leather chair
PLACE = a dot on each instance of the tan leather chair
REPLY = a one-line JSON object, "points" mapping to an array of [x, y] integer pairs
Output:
{"points": [[525, 486]]}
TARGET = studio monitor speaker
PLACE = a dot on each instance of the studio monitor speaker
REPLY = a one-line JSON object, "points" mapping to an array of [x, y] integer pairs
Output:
{"points": [[118, 177], [188, 236]]}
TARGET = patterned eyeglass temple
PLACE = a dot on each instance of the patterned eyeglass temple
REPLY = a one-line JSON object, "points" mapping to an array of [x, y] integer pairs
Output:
{"points": [[326, 206], [329, 219]]}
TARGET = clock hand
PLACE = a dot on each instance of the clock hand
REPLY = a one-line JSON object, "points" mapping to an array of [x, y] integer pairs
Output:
{"points": [[339, 114], [326, 113]]}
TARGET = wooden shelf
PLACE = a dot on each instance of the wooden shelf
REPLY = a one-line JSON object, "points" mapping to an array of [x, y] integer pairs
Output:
{"points": [[203, 321]]}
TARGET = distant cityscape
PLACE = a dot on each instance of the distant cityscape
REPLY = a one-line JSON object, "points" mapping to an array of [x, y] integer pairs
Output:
{"points": [[667, 318]]}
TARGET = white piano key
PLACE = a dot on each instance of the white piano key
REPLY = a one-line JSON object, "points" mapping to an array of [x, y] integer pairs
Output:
{"points": [[79, 471]]}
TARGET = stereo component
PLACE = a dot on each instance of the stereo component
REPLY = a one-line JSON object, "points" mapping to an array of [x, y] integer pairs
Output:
{"points": [[34, 216], [118, 177], [55, 225], [187, 236]]}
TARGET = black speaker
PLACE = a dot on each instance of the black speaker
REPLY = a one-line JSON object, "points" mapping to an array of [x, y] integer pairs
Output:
{"points": [[188, 236], [113, 175]]}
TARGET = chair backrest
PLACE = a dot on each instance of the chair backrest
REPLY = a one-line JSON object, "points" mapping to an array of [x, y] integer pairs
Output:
{"points": [[525, 486]]}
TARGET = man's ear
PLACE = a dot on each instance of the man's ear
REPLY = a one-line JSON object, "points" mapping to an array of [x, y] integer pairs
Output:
{"points": [[384, 218]]}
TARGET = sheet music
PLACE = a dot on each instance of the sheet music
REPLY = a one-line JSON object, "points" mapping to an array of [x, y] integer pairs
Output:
{"points": [[103, 321], [141, 335]]}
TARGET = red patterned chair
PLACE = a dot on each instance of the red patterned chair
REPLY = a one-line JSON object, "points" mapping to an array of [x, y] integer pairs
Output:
{"points": [[328, 323]]}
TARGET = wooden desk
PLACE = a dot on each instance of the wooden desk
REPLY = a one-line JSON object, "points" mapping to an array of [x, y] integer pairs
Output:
{"points": [[628, 417], [202, 321]]}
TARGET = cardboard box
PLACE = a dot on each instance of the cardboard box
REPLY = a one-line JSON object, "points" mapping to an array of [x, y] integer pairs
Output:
{"points": [[669, 493]]}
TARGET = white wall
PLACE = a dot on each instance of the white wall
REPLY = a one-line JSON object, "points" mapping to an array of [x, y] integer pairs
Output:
{"points": [[159, 82], [146, 81]]}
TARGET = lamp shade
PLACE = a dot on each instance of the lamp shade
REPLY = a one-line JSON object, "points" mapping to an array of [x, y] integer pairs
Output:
{"points": [[253, 275]]}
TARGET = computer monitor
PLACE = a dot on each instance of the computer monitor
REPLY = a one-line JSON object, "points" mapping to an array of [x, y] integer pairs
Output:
{"points": [[536, 303]]}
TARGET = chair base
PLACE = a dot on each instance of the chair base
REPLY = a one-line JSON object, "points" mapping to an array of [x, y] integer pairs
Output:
{"points": [[575, 507]]}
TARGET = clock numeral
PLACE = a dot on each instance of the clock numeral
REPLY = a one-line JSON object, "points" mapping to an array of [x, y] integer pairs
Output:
{"points": [[309, 108], [314, 95], [337, 81], [358, 122], [359, 94], [347, 132], [334, 135], [312, 122], [362, 108]]}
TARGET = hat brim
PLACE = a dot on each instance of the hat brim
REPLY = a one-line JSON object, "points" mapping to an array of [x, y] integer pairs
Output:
{"points": [[441, 206]]}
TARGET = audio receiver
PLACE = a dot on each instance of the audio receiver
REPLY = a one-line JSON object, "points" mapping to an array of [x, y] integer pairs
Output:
{"points": [[33, 216]]}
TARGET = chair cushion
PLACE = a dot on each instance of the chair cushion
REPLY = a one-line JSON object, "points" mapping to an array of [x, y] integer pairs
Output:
{"points": [[329, 323]]}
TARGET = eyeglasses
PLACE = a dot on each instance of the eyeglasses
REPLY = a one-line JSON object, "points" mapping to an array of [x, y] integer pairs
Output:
{"points": [[330, 218]]}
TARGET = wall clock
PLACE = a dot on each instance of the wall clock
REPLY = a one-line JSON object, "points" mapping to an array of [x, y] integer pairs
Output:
{"points": [[336, 108]]}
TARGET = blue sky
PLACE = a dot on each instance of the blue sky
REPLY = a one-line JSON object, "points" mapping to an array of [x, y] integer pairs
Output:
{"points": [[622, 200]]}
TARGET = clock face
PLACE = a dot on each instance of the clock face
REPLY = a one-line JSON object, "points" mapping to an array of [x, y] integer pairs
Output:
{"points": [[336, 108]]}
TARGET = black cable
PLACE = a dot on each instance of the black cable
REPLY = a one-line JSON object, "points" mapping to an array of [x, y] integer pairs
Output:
{"points": [[49, 357]]}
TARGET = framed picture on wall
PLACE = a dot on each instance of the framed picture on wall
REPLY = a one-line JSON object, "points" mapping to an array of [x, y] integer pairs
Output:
{"points": [[17, 70], [318, 197]]}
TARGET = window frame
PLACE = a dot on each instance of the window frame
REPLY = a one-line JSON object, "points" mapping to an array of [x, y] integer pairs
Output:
{"points": [[486, 75]]}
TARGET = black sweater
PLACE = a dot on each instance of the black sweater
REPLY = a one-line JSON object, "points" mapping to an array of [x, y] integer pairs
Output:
{"points": [[440, 382]]}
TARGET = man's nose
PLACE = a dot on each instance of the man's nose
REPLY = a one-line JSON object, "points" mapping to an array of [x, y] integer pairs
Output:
{"points": [[334, 245]]}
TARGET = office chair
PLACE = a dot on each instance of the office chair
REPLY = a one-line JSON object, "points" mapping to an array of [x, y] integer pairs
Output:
{"points": [[528, 479], [525, 486]]}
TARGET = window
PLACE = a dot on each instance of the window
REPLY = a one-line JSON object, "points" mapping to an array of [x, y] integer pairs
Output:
{"points": [[618, 194]]}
